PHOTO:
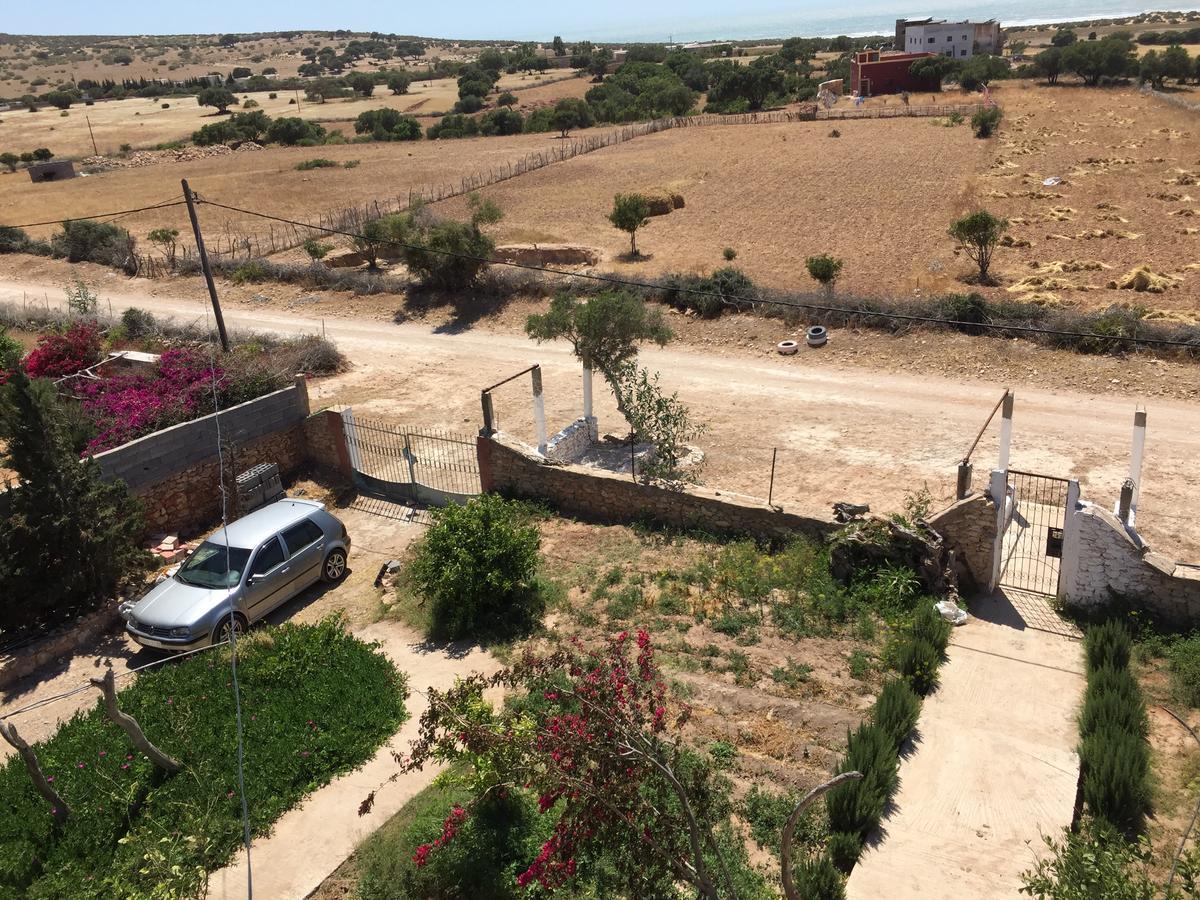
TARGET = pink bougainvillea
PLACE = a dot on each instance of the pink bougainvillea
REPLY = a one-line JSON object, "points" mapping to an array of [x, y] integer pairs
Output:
{"points": [[128, 406], [66, 352]]}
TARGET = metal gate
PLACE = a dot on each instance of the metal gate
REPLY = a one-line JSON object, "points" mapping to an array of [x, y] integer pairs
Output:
{"points": [[1033, 535], [423, 466]]}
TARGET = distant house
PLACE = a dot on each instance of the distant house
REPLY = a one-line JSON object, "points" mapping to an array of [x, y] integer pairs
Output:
{"points": [[960, 40], [55, 170], [873, 72]]}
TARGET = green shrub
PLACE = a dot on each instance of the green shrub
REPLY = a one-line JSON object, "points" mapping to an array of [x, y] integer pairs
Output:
{"points": [[818, 879], [971, 310], [84, 240], [857, 806], [918, 661], [1110, 703], [319, 163], [475, 568], [844, 850], [1116, 778], [1108, 645], [929, 626], [252, 272], [294, 131], [1184, 665], [316, 702], [1095, 863], [12, 239], [896, 710], [455, 126], [985, 121], [138, 322], [766, 812], [316, 249]]}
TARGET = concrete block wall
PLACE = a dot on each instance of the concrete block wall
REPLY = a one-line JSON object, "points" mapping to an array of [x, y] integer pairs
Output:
{"points": [[599, 496], [156, 457], [969, 529], [1111, 561], [325, 443]]}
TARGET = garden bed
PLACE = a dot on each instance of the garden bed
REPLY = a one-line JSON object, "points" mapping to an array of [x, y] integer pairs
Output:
{"points": [[315, 702]]}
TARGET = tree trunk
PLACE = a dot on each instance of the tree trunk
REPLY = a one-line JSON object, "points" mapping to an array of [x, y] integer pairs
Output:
{"points": [[633, 243], [789, 830], [61, 810], [129, 725]]}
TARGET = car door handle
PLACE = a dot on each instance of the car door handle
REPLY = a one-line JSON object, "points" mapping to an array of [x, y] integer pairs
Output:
{"points": [[285, 570]]}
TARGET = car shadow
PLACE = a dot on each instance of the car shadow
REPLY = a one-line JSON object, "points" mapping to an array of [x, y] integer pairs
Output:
{"points": [[302, 601]]}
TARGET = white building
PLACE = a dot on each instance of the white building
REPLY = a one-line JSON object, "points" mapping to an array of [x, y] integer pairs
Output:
{"points": [[959, 40]]}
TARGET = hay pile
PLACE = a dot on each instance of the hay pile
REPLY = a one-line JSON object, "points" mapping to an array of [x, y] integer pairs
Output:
{"points": [[662, 201], [1169, 197], [1043, 283], [1094, 234], [1145, 279], [1186, 212], [1057, 266], [1009, 241], [1060, 213]]}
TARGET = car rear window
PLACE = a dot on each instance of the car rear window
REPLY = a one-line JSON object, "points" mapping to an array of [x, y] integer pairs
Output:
{"points": [[301, 535]]}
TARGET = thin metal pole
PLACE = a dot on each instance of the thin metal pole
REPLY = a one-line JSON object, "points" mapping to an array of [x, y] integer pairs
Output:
{"points": [[208, 278], [771, 489], [632, 456]]}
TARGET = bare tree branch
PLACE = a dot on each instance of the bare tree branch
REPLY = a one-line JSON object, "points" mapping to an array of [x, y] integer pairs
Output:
{"points": [[789, 830], [129, 725], [61, 810]]}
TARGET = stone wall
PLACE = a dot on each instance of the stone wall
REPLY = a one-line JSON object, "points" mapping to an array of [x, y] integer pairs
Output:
{"points": [[572, 441], [600, 496], [190, 499], [325, 443], [969, 529], [59, 645], [155, 457], [1111, 561]]}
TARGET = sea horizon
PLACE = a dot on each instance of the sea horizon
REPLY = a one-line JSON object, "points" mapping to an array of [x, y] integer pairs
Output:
{"points": [[873, 19]]}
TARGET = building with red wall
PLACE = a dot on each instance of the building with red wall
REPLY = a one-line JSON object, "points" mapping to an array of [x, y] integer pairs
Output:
{"points": [[872, 72]]}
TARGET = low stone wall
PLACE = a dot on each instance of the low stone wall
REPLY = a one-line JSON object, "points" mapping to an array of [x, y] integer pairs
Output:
{"points": [[572, 441], [1111, 562], [969, 529], [63, 643], [599, 496]]}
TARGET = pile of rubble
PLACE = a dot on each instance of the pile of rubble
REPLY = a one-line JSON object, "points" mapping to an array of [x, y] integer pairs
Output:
{"points": [[142, 158], [168, 549]]}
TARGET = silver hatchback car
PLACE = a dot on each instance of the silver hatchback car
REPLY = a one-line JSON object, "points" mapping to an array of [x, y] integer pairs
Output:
{"points": [[251, 566]]}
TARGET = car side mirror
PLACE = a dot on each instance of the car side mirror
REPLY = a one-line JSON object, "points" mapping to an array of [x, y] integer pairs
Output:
{"points": [[255, 579]]}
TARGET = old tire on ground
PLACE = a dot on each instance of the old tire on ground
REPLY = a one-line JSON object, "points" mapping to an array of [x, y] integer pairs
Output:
{"points": [[787, 348], [816, 336], [334, 567], [221, 634]]}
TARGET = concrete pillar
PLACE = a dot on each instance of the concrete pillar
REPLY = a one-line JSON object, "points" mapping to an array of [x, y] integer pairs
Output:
{"points": [[1006, 430], [539, 410], [998, 491], [965, 471], [351, 439], [587, 392], [301, 382], [1136, 454], [1068, 565]]}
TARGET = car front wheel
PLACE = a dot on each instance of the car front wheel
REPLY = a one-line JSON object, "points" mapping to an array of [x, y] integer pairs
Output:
{"points": [[334, 568], [229, 629]]}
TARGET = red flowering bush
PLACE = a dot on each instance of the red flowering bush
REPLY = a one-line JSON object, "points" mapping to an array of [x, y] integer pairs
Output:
{"points": [[60, 353], [128, 406], [596, 739]]}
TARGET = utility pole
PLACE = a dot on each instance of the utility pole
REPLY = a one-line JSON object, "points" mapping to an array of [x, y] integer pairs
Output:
{"points": [[189, 198], [93, 134]]}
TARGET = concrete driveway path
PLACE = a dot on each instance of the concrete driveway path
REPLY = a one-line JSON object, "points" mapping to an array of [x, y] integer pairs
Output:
{"points": [[993, 768], [314, 838]]}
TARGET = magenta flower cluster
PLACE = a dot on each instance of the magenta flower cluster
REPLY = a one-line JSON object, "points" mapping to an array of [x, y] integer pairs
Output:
{"points": [[126, 407]]}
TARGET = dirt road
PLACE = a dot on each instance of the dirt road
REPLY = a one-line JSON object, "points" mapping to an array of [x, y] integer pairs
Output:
{"points": [[847, 432]]}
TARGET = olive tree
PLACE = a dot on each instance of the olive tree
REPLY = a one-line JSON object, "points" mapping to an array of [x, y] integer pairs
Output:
{"points": [[979, 233], [217, 97], [629, 213], [825, 270]]}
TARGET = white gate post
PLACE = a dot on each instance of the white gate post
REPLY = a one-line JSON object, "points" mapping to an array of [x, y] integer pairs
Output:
{"points": [[351, 439], [539, 410], [1006, 430], [998, 490], [1136, 453], [1068, 564]]}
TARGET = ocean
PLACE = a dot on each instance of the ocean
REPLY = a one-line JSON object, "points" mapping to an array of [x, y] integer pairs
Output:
{"points": [[856, 20]]}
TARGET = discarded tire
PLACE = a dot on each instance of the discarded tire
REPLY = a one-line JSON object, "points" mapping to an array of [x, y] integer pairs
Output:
{"points": [[787, 348], [816, 336]]}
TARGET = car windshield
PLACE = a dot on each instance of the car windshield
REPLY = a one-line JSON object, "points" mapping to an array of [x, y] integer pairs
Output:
{"points": [[214, 566]]}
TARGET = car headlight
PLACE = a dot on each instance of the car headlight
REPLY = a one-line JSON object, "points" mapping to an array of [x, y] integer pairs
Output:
{"points": [[181, 632], [126, 609]]}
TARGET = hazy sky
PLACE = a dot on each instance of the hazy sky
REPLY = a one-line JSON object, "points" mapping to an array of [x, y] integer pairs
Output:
{"points": [[529, 19]]}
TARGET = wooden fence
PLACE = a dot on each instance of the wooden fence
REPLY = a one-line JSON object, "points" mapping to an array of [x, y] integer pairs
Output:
{"points": [[232, 246]]}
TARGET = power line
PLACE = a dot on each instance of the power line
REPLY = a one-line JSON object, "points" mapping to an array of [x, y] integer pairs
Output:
{"points": [[107, 215], [725, 298]]}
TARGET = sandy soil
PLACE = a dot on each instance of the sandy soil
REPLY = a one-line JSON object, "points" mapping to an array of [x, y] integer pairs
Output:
{"points": [[870, 418], [774, 193], [265, 180]]}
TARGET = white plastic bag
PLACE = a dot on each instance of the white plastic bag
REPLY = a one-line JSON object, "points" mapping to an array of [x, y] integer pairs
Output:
{"points": [[949, 611]]}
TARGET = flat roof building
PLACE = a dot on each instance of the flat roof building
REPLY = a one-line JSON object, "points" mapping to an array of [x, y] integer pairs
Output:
{"points": [[960, 40]]}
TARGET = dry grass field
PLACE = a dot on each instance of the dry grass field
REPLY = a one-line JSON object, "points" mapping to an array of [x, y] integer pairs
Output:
{"points": [[143, 123], [265, 180]]}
